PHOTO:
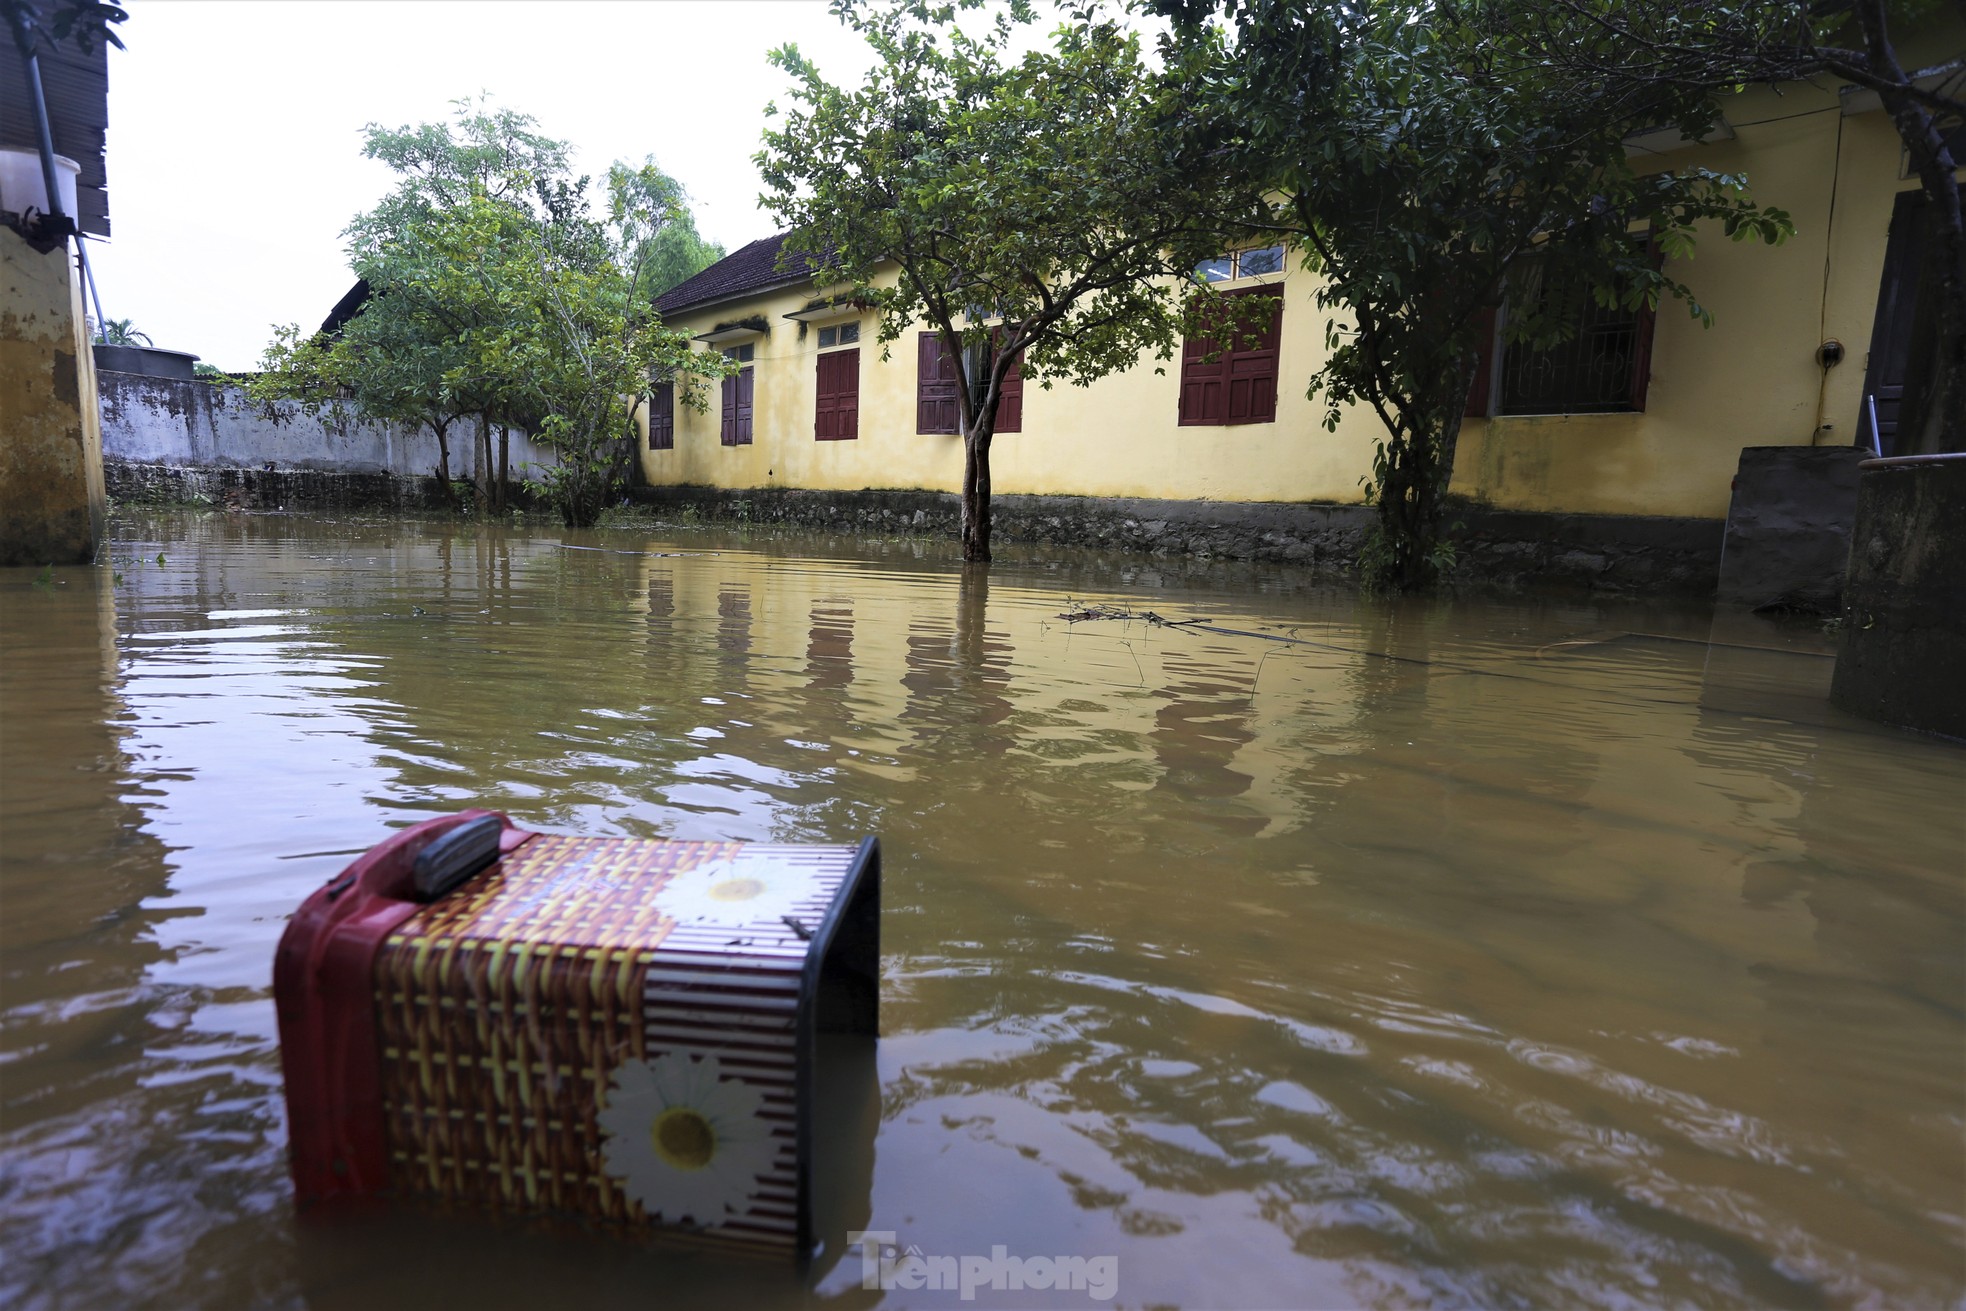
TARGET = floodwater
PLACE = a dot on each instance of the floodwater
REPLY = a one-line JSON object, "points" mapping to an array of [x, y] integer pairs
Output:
{"points": [[1478, 953]]}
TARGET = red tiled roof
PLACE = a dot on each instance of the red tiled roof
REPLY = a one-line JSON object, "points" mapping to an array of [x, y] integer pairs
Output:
{"points": [[750, 268]]}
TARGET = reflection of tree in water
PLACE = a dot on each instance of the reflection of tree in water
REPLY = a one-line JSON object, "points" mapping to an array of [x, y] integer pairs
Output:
{"points": [[956, 677], [1197, 732], [661, 597], [734, 623]]}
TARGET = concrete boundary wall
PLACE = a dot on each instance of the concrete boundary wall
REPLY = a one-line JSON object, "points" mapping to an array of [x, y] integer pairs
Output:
{"points": [[173, 423], [1613, 553]]}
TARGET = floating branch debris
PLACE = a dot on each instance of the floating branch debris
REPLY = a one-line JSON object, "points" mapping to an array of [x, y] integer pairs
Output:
{"points": [[1082, 613]]}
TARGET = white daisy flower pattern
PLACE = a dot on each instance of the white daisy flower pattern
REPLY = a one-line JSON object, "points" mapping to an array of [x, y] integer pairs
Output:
{"points": [[735, 890], [683, 1140]]}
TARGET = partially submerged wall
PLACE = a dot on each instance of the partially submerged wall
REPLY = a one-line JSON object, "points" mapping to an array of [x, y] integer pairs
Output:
{"points": [[262, 489], [1616, 553], [168, 439], [51, 482]]}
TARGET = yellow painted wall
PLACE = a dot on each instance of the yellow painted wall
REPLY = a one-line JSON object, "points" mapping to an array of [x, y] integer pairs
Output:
{"points": [[1750, 380], [51, 488], [1118, 437]]}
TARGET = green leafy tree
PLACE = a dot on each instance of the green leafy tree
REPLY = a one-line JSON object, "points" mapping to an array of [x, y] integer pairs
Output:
{"points": [[389, 364], [1431, 169], [489, 152], [1039, 206], [1718, 45], [667, 249], [561, 333], [496, 292]]}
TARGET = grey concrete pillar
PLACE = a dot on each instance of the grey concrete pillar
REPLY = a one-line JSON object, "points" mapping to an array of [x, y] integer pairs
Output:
{"points": [[1903, 654]]}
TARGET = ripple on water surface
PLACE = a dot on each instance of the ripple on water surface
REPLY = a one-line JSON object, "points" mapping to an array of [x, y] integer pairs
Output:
{"points": [[1476, 953]]}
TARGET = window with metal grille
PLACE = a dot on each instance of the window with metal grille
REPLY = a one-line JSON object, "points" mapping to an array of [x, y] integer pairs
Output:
{"points": [[843, 335], [1603, 367], [1594, 372]]}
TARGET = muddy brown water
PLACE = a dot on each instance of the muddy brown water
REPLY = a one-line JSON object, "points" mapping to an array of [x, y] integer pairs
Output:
{"points": [[1481, 953]]}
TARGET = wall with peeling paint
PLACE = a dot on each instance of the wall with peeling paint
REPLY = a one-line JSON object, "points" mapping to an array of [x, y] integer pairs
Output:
{"points": [[51, 488], [182, 424]]}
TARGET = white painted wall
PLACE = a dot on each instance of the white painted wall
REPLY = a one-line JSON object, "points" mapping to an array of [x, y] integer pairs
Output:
{"points": [[202, 425]]}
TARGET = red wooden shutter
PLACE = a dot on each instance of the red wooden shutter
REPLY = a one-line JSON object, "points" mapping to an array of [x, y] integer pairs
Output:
{"points": [[937, 376], [662, 418], [746, 388], [823, 404], [1240, 384], [1204, 393], [1477, 406], [1642, 355], [737, 408], [1010, 400], [1252, 371], [836, 407], [849, 393]]}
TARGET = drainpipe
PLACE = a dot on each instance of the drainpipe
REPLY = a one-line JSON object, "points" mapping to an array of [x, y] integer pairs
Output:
{"points": [[89, 276], [24, 42]]}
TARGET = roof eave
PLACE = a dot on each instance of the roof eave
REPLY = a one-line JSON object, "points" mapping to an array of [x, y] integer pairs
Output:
{"points": [[763, 289]]}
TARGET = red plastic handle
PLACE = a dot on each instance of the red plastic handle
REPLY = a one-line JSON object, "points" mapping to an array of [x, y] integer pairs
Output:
{"points": [[323, 989]]}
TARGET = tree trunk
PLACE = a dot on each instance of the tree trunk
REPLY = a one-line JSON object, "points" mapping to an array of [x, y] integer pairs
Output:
{"points": [[443, 430], [484, 462], [976, 495], [504, 462]]}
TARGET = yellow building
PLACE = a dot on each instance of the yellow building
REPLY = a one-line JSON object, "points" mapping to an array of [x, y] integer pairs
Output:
{"points": [[1636, 418], [52, 499]]}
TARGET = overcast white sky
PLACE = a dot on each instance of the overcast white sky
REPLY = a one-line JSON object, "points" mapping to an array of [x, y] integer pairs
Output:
{"points": [[235, 130]]}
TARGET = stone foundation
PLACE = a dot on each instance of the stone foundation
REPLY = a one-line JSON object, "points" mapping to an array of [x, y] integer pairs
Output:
{"points": [[259, 489], [1614, 553]]}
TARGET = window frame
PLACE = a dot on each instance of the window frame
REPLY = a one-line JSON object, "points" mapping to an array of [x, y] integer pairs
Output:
{"points": [[1234, 260]]}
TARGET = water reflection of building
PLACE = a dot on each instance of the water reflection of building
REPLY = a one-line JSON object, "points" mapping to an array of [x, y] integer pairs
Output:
{"points": [[83, 878]]}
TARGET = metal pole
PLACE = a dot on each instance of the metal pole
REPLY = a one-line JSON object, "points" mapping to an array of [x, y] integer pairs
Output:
{"points": [[45, 138], [39, 102], [89, 275]]}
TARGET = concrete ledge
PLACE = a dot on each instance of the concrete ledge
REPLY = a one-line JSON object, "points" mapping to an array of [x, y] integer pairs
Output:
{"points": [[1614, 553], [1788, 528]]}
